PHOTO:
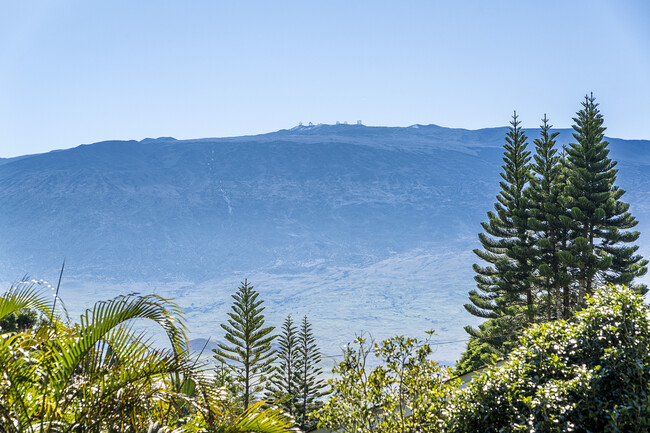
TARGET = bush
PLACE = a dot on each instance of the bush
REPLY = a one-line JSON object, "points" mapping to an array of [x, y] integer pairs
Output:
{"points": [[406, 392], [590, 374]]}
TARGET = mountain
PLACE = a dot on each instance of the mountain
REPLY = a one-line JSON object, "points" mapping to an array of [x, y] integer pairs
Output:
{"points": [[360, 228]]}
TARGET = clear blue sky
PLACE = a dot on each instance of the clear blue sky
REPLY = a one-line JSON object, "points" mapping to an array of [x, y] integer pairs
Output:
{"points": [[76, 72]]}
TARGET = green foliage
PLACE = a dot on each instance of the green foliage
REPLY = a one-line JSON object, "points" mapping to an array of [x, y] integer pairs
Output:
{"points": [[476, 355], [297, 385], [101, 375], [92, 374], [559, 229], [229, 385], [602, 221], [550, 224], [260, 420], [283, 388], [310, 386], [588, 374], [505, 287], [249, 355], [405, 393], [19, 321]]}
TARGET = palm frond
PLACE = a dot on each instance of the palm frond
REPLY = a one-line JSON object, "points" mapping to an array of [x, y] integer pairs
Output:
{"points": [[23, 295], [256, 419], [103, 321]]}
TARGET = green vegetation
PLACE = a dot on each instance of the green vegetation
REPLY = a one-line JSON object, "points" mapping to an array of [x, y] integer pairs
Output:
{"points": [[505, 287], [296, 384], [284, 383], [591, 373], [20, 320], [550, 221], [598, 249], [249, 355], [405, 393], [310, 386], [587, 374], [101, 375], [558, 230]]}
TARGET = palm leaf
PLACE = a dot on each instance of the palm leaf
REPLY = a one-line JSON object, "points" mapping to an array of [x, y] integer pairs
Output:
{"points": [[253, 419], [23, 295], [101, 323]]}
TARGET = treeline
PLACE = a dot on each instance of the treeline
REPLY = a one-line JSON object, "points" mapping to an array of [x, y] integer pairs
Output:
{"points": [[558, 230], [574, 343]]}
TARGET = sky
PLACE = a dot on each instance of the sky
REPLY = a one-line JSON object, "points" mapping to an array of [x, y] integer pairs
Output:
{"points": [[75, 72]]}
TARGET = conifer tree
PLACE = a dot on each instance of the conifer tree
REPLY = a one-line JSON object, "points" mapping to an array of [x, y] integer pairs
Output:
{"points": [[284, 383], [310, 386], [575, 222], [505, 287], [599, 252], [249, 354], [477, 353], [549, 220], [224, 379]]}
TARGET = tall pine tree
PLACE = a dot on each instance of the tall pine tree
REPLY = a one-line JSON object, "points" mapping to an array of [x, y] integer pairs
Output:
{"points": [[575, 222], [310, 386], [249, 354], [549, 221], [505, 292], [284, 383], [600, 250]]}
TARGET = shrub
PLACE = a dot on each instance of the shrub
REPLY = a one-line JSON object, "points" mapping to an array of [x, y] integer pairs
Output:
{"points": [[406, 392], [590, 374]]}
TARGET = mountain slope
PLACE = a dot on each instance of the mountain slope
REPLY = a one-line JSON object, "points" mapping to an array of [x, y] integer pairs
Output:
{"points": [[359, 227]]}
